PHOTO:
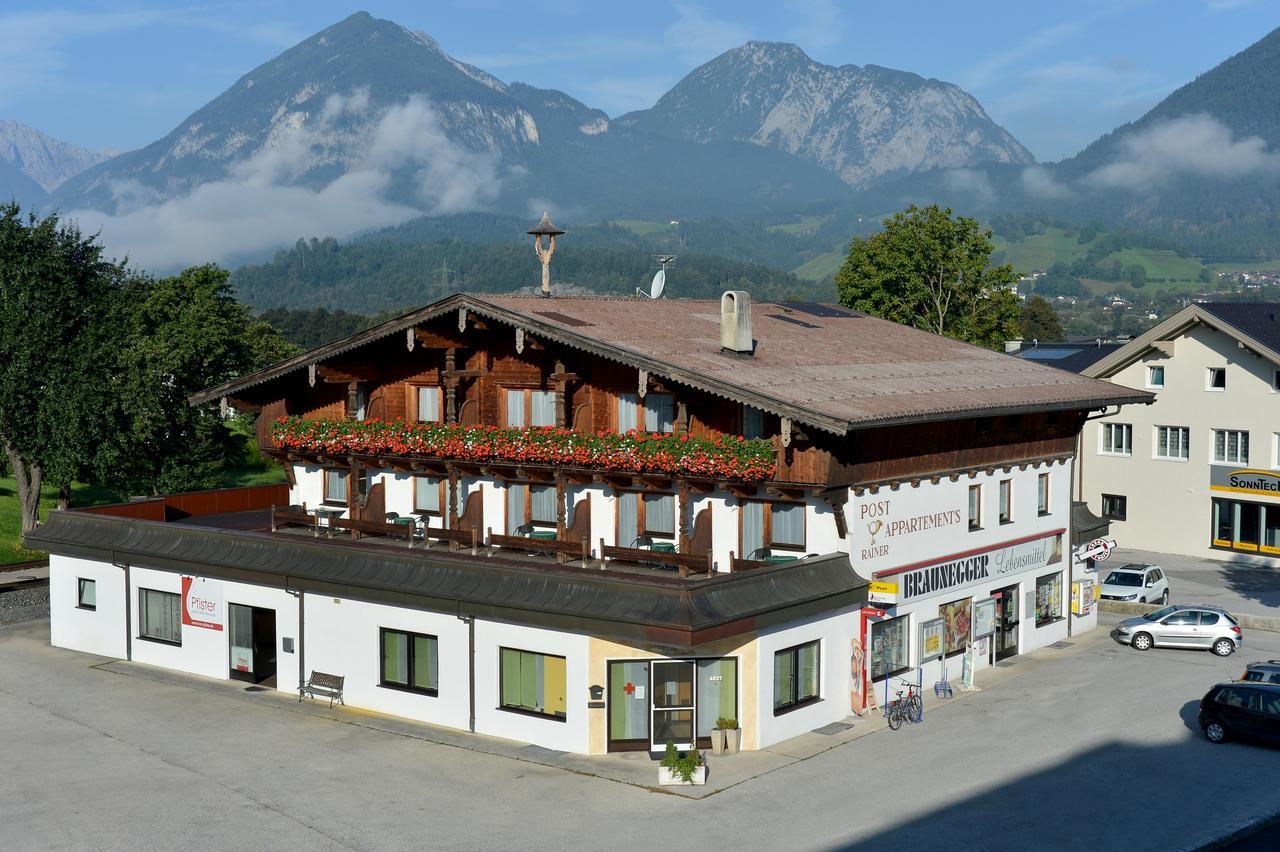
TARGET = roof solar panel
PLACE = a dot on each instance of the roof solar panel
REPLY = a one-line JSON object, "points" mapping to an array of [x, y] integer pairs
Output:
{"points": [[564, 319], [793, 320], [818, 310]]}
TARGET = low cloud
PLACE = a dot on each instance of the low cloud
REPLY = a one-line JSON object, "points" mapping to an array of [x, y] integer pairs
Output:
{"points": [[815, 23], [1194, 145], [696, 37], [1038, 182], [264, 202], [972, 182]]}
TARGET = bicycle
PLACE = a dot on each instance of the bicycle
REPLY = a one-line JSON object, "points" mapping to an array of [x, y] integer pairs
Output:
{"points": [[908, 708]]}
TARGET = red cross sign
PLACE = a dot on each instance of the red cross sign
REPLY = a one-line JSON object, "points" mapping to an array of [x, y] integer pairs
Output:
{"points": [[630, 688]]}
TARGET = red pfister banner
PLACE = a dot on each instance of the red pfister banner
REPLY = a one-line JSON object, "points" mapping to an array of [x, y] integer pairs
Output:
{"points": [[202, 603]]}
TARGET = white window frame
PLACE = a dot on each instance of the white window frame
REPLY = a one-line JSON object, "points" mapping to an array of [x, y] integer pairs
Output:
{"points": [[1043, 500], [1105, 445], [975, 507], [432, 392], [1184, 434], [1238, 461], [1005, 491], [1208, 379], [1151, 368]]}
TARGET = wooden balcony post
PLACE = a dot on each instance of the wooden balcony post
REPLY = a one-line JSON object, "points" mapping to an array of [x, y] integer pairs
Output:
{"points": [[682, 506], [561, 510], [450, 386], [452, 495]]}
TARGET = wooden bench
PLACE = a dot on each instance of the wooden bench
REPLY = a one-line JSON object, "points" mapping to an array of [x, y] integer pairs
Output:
{"points": [[456, 539], [682, 562], [374, 528], [736, 564], [292, 517], [564, 551], [325, 685]]}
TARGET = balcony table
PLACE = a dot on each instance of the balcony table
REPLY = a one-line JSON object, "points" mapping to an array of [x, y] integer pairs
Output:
{"points": [[543, 535], [779, 560], [327, 513], [663, 547]]}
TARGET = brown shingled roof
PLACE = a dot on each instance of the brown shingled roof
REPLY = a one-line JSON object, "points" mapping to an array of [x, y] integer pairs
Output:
{"points": [[824, 365]]}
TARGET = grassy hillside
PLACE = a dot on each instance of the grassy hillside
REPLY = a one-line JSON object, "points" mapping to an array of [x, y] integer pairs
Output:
{"points": [[821, 267], [1054, 245]]}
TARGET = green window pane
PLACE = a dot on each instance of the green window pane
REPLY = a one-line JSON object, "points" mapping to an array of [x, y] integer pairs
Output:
{"points": [[807, 682], [395, 658], [783, 673], [424, 662], [510, 677]]}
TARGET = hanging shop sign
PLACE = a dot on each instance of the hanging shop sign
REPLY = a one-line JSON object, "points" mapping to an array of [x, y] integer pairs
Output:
{"points": [[984, 617], [1263, 483], [202, 603], [1097, 550], [952, 574], [882, 592], [932, 639]]}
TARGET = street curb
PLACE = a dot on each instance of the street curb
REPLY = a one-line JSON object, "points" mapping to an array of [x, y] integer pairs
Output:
{"points": [[1241, 834], [1253, 622]]}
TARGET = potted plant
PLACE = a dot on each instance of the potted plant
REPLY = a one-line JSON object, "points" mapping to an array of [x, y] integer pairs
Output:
{"points": [[728, 728], [682, 770], [717, 737]]}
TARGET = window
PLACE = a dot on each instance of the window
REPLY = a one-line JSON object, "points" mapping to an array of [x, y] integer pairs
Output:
{"points": [[335, 486], [532, 683], [975, 507], [660, 514], [1117, 439], [752, 423], [717, 692], [1155, 377], [530, 504], [1115, 507], [1249, 527], [530, 408], [428, 494], [653, 515], [1042, 494], [159, 617], [1173, 442], [1275, 380], [889, 647], [1236, 697], [795, 677], [1230, 446], [1048, 599], [429, 404], [1208, 619], [87, 594], [1216, 380], [410, 661], [762, 526], [657, 411], [1006, 501]]}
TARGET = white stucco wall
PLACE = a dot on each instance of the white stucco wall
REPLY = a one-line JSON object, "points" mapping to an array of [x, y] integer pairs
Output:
{"points": [[100, 631], [1169, 501]]}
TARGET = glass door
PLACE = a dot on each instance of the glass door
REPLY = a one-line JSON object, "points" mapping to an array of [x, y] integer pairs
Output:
{"points": [[629, 705], [240, 638], [672, 692]]}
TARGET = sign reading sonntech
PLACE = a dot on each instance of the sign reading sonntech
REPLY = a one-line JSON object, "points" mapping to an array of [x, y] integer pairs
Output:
{"points": [[1244, 481]]}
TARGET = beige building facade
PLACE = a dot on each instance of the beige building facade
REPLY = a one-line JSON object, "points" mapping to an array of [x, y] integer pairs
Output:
{"points": [[1197, 472]]}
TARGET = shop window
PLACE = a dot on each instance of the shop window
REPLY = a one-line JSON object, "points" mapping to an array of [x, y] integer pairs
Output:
{"points": [[532, 683], [159, 616], [1249, 527], [752, 423], [1048, 599], [1042, 494], [1115, 507], [890, 647], [1230, 446], [717, 693], [1117, 439], [1216, 380], [1173, 442], [335, 486], [795, 677], [429, 404], [524, 407], [1006, 501], [975, 507], [654, 414], [428, 494], [1155, 377], [956, 617], [410, 661], [87, 594]]}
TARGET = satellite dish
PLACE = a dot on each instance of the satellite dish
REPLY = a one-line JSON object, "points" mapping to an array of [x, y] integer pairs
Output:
{"points": [[659, 281]]}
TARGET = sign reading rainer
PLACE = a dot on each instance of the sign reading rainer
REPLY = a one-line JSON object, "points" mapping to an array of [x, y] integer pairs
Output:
{"points": [[202, 603]]}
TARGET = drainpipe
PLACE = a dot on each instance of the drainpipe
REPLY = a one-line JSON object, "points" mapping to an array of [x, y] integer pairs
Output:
{"points": [[470, 621], [128, 615], [301, 650]]}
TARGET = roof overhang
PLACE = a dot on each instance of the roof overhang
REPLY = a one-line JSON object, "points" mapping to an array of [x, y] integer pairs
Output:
{"points": [[1170, 329]]}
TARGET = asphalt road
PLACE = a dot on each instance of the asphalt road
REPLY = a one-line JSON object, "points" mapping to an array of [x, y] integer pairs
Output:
{"points": [[1096, 749]]}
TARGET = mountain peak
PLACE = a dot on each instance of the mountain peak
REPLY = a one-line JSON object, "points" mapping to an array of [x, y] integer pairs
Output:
{"points": [[39, 156]]}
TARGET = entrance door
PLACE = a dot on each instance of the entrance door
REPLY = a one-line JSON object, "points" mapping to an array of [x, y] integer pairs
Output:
{"points": [[673, 693], [252, 643], [1006, 638], [629, 705]]}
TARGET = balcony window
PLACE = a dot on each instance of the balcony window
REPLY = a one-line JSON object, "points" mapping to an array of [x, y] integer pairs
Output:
{"points": [[652, 515], [526, 407], [530, 505], [660, 515], [429, 404], [657, 411], [335, 486], [428, 494], [768, 526], [752, 423]]}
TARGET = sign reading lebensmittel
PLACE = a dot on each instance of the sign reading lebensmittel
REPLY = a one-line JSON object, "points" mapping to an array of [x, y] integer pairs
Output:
{"points": [[202, 603]]}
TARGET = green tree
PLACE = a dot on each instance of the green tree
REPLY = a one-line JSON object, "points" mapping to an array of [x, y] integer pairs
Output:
{"points": [[931, 270], [56, 293], [1039, 321], [180, 335]]}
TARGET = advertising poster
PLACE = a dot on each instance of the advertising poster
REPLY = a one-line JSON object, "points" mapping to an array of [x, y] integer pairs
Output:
{"points": [[956, 617], [984, 617], [202, 603], [932, 639]]}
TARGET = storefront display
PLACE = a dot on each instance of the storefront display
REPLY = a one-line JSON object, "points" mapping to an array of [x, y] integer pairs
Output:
{"points": [[1048, 598], [956, 617], [1245, 526], [889, 647]]}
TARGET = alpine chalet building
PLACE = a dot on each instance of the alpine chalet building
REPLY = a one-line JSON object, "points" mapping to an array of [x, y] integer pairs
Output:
{"points": [[601, 524]]}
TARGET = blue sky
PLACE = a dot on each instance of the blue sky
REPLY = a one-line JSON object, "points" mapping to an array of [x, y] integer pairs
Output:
{"points": [[118, 75]]}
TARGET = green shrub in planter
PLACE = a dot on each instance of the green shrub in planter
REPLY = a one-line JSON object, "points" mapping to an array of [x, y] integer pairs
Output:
{"points": [[683, 766]]}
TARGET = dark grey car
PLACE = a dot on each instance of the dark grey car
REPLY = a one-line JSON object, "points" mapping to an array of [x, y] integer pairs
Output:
{"points": [[1183, 626]]}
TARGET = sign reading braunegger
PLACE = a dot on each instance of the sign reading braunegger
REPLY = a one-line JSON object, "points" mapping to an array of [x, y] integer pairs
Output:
{"points": [[955, 574]]}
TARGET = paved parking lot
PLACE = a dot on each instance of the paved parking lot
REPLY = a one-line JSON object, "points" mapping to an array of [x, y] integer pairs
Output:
{"points": [[1072, 748], [1237, 587]]}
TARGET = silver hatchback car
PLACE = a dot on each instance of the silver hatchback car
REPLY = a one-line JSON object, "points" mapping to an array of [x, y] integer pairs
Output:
{"points": [[1183, 626]]}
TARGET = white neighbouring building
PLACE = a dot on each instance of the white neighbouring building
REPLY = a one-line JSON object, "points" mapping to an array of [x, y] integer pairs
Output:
{"points": [[1198, 471], [602, 524]]}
